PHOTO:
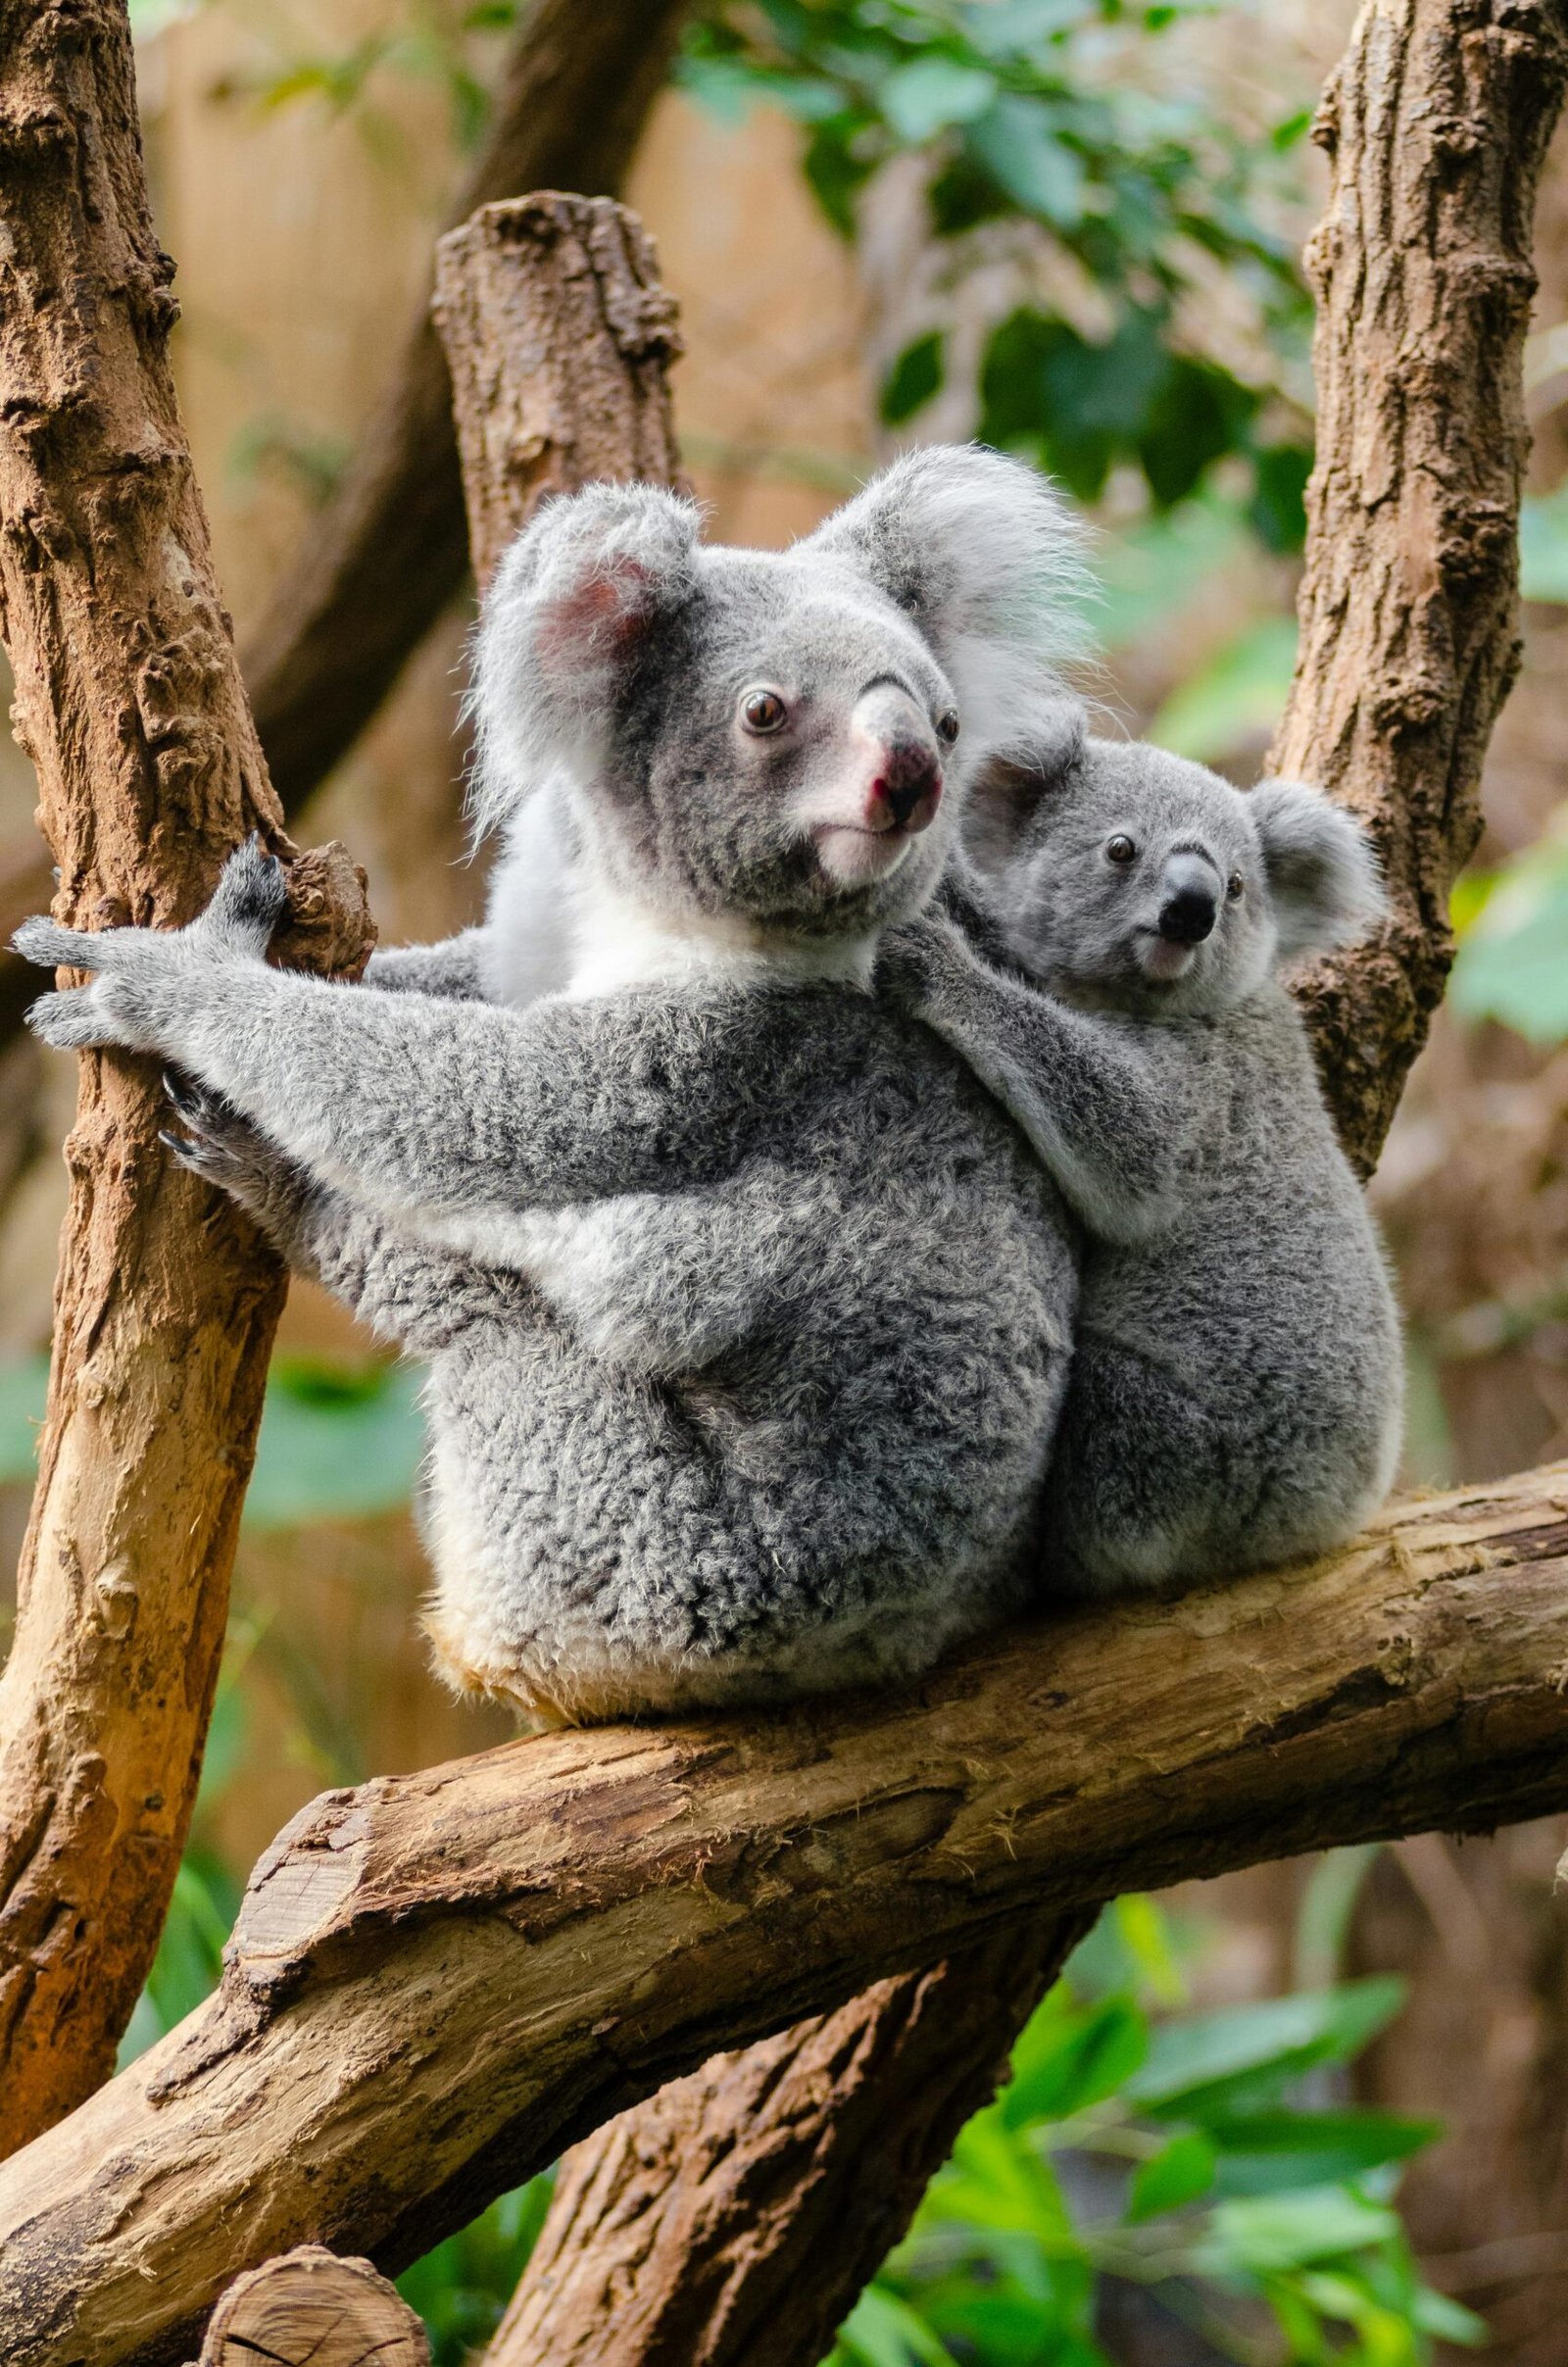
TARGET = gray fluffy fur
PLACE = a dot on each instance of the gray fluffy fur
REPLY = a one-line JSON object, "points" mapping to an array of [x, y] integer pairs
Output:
{"points": [[747, 1312], [1236, 1391]]}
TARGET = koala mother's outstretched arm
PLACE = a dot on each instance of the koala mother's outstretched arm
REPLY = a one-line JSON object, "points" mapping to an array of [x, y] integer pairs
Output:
{"points": [[412, 1104], [452, 970], [1103, 1113]]}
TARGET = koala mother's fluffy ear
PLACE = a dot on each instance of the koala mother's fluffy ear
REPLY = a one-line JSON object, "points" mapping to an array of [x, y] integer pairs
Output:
{"points": [[1322, 874], [988, 562], [567, 611]]}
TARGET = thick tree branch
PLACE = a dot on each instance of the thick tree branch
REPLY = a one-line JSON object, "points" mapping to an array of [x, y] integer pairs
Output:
{"points": [[438, 1980], [1437, 122], [129, 702], [389, 550]]}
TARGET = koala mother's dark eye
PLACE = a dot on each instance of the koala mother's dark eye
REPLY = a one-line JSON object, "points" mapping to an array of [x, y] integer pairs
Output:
{"points": [[1234, 886], [1120, 849], [948, 725], [763, 711]]}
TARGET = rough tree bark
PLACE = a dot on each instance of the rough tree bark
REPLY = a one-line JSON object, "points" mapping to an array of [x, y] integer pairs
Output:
{"points": [[438, 1980], [128, 701], [693, 2227], [559, 338], [389, 550], [1437, 122]]}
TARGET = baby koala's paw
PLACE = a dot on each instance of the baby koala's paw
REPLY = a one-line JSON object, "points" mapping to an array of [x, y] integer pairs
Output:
{"points": [[249, 901], [922, 964]]}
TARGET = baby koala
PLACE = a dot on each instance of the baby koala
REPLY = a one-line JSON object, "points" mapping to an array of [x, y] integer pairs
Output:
{"points": [[747, 1312], [1235, 1392]]}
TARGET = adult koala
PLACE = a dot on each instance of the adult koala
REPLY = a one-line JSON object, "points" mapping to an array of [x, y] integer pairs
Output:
{"points": [[823, 1466], [1236, 1397]]}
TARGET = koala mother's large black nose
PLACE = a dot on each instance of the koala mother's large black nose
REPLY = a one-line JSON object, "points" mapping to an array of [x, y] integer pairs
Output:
{"points": [[1191, 900]]}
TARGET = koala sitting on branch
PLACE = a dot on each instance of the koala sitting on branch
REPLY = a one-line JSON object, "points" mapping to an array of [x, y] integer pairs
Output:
{"points": [[1236, 1393], [755, 762]]}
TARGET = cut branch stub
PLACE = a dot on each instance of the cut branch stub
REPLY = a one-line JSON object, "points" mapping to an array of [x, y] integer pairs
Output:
{"points": [[1437, 122], [559, 335], [128, 701], [312, 2309], [438, 1981]]}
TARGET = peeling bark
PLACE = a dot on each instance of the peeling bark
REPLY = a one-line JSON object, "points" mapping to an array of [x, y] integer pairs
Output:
{"points": [[387, 552], [438, 1980], [1437, 121], [129, 702]]}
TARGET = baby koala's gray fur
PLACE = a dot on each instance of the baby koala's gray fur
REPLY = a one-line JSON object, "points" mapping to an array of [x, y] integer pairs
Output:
{"points": [[1236, 1391], [748, 1311]]}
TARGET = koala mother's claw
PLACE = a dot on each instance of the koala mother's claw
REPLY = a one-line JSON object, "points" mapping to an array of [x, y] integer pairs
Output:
{"points": [[252, 892]]}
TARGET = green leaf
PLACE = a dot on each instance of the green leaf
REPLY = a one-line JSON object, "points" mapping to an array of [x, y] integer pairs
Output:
{"points": [[1275, 2153], [996, 2181], [1512, 962], [1017, 144], [883, 2330], [932, 94], [1543, 545], [335, 1445], [1172, 2178], [1222, 2063], [24, 1387], [1293, 2231], [1069, 2056], [913, 380], [1441, 2315]]}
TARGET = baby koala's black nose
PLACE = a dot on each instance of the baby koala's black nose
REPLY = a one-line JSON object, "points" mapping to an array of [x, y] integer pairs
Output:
{"points": [[1191, 900]]}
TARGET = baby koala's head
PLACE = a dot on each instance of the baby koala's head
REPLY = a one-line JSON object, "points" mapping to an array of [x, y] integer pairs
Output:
{"points": [[774, 739], [1135, 880]]}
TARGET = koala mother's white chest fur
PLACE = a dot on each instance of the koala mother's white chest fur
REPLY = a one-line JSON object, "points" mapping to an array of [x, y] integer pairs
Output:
{"points": [[557, 927]]}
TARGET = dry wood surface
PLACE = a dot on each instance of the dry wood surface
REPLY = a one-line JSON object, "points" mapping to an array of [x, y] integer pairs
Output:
{"points": [[129, 702], [312, 2309], [388, 551], [1437, 122], [439, 1980]]}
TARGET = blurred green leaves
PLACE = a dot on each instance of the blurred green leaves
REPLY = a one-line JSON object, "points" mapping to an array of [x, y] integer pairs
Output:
{"points": [[1512, 962], [1013, 106], [1179, 2154]]}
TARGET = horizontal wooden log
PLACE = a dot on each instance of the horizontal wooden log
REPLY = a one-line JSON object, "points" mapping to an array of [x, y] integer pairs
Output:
{"points": [[438, 1980]]}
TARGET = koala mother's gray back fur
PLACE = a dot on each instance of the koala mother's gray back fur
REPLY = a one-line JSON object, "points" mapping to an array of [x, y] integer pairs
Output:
{"points": [[847, 1482]]}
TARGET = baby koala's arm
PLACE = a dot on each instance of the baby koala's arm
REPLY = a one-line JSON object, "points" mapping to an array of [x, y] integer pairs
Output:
{"points": [[417, 1297], [1100, 1106], [423, 1108]]}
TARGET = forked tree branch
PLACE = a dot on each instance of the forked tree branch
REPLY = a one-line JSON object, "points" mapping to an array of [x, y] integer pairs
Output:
{"points": [[129, 702], [438, 1980]]}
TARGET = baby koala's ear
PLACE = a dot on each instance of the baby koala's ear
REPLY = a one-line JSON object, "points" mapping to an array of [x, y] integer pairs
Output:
{"points": [[570, 605], [1323, 876], [1010, 794], [988, 562]]}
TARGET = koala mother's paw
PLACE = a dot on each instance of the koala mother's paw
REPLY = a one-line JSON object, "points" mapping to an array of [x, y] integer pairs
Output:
{"points": [[249, 901]]}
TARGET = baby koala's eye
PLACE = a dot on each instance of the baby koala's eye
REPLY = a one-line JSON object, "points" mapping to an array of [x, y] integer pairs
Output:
{"points": [[1120, 849], [762, 711], [1234, 886], [948, 725]]}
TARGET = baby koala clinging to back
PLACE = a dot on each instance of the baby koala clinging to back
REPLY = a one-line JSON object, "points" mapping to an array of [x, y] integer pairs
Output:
{"points": [[1236, 1391]]}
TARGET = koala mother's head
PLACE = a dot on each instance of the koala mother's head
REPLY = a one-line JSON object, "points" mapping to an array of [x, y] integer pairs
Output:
{"points": [[778, 738], [1134, 879]]}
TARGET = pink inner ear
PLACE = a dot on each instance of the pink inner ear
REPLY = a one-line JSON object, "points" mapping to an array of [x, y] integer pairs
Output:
{"points": [[599, 615]]}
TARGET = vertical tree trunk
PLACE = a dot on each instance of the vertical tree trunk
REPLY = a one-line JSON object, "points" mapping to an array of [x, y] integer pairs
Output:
{"points": [[129, 702], [1437, 120]]}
